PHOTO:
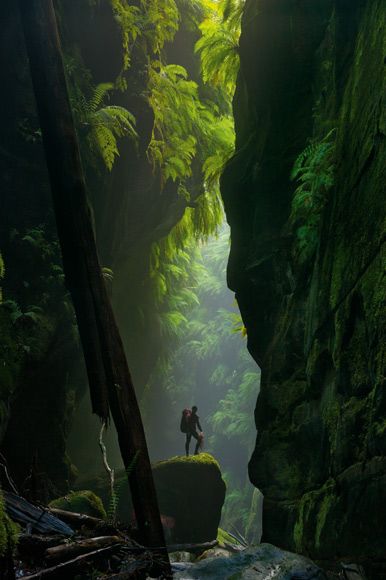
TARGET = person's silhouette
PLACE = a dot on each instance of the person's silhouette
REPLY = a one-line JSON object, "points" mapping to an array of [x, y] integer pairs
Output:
{"points": [[193, 423]]}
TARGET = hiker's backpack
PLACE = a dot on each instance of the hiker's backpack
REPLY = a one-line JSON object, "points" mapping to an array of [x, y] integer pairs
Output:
{"points": [[185, 420]]}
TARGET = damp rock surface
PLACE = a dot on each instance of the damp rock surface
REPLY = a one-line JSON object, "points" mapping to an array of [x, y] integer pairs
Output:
{"points": [[311, 287], [263, 562]]}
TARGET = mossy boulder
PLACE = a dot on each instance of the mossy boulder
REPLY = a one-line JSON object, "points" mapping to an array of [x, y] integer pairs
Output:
{"points": [[83, 502], [191, 492]]}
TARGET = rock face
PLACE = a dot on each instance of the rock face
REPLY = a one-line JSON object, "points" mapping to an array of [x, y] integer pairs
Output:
{"points": [[314, 70], [259, 563], [191, 494]]}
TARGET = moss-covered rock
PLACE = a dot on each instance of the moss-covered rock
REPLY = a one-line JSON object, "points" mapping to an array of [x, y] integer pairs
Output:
{"points": [[191, 491], [83, 502]]}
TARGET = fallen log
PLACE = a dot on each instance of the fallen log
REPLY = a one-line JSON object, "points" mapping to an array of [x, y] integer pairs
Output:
{"points": [[77, 520], [35, 518], [65, 552], [67, 570]]}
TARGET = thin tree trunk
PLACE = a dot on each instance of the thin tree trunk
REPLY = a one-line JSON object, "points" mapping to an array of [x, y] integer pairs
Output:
{"points": [[109, 377]]}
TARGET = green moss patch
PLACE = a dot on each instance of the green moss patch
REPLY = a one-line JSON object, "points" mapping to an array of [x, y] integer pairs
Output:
{"points": [[83, 502], [201, 459], [8, 531]]}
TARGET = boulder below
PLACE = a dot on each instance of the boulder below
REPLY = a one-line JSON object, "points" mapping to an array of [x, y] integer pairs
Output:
{"points": [[257, 563], [191, 494]]}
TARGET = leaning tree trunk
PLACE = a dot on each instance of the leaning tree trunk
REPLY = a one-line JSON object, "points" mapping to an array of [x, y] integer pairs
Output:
{"points": [[109, 377]]}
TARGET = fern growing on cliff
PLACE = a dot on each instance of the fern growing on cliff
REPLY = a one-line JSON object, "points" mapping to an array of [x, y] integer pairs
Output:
{"points": [[99, 124], [161, 22], [128, 18], [174, 100], [106, 124], [153, 21], [314, 172]]}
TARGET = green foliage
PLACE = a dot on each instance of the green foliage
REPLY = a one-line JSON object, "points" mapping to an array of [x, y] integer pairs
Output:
{"points": [[175, 103], [174, 279], [8, 531], [105, 124], [212, 341], [32, 312], [153, 21], [233, 417], [235, 512], [222, 134], [181, 121], [219, 44], [161, 22], [128, 19], [99, 124], [117, 493], [314, 171]]}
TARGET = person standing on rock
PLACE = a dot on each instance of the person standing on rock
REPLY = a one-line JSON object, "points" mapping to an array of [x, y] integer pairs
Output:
{"points": [[189, 423]]}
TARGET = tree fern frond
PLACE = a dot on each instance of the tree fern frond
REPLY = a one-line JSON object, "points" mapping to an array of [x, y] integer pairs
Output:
{"points": [[99, 94]]}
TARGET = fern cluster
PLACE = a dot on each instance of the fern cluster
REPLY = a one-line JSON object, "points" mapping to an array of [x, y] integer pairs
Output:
{"points": [[174, 100], [153, 23], [314, 172], [174, 281], [99, 124], [218, 46], [106, 124], [161, 22], [128, 18]]}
